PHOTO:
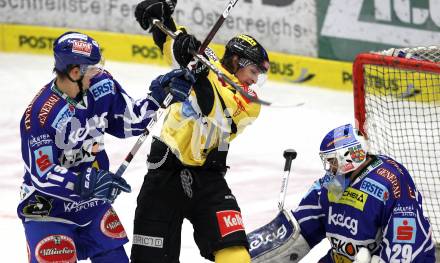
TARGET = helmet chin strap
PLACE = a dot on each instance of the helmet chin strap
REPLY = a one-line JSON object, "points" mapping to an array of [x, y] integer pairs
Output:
{"points": [[79, 96]]}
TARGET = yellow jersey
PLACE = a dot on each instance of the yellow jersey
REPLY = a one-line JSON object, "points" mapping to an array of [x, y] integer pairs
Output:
{"points": [[214, 114]]}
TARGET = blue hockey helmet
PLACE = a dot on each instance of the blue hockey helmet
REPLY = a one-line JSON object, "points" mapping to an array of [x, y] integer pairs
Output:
{"points": [[74, 48], [343, 150]]}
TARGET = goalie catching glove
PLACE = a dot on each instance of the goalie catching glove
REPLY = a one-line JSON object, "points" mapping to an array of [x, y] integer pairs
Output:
{"points": [[279, 241]]}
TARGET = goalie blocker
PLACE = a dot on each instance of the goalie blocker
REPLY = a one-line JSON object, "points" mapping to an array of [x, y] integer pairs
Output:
{"points": [[278, 241]]}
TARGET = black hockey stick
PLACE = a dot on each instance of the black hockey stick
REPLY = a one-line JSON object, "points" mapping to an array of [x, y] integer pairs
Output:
{"points": [[169, 97], [289, 155], [217, 26]]}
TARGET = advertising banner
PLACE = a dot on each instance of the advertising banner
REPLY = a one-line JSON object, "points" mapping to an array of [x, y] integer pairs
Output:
{"points": [[348, 27], [288, 26], [299, 70]]}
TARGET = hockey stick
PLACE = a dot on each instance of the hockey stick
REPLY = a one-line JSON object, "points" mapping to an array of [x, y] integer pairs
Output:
{"points": [[207, 63], [217, 26], [169, 97], [289, 155]]}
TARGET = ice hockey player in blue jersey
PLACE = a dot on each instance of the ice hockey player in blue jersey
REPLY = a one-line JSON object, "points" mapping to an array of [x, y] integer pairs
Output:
{"points": [[67, 191], [366, 205]]}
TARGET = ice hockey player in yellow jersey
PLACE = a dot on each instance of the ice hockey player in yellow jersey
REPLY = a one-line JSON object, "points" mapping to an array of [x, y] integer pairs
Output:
{"points": [[187, 163]]}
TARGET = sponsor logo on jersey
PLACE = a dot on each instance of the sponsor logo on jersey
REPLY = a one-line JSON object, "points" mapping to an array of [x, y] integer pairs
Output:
{"points": [[93, 127], [351, 197], [229, 221], [86, 153], [148, 241], [79, 206], [111, 226], [392, 178], [27, 113], [343, 221], [56, 248], [404, 211], [375, 189], [102, 88], [63, 117], [81, 47], [43, 159], [40, 140], [40, 206], [345, 249], [47, 108], [404, 230]]}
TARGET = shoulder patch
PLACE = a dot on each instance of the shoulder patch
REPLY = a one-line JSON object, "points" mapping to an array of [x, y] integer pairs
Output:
{"points": [[102, 88]]}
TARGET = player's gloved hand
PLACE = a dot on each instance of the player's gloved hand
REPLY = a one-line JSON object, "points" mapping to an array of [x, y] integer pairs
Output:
{"points": [[149, 9], [178, 82], [183, 45], [100, 184]]}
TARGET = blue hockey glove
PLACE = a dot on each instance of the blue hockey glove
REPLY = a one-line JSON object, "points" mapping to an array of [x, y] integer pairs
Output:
{"points": [[100, 184], [178, 82], [149, 9]]}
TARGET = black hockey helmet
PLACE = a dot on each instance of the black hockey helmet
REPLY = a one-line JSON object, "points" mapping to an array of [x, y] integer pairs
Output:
{"points": [[248, 50]]}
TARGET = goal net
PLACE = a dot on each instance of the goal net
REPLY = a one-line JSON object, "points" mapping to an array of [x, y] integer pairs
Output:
{"points": [[397, 106]]}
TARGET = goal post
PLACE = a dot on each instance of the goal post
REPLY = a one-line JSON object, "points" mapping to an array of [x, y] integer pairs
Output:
{"points": [[397, 107]]}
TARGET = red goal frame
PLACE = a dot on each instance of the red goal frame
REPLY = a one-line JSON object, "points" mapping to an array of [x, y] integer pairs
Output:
{"points": [[381, 60]]}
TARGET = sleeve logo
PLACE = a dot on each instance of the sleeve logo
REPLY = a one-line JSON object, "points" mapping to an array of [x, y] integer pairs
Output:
{"points": [[404, 230], [229, 221]]}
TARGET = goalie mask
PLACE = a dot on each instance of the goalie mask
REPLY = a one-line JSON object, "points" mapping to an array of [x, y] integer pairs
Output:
{"points": [[342, 151]]}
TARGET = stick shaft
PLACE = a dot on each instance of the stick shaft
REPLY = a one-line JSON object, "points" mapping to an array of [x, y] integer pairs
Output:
{"points": [[169, 97]]}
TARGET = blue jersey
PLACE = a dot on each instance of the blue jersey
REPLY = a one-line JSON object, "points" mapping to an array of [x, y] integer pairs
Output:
{"points": [[61, 138], [381, 210]]}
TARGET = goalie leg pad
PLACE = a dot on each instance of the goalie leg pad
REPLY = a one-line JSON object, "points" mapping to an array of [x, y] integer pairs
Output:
{"points": [[278, 241]]}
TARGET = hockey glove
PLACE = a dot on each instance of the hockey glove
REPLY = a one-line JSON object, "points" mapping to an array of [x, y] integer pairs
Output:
{"points": [[100, 184], [149, 9], [178, 82], [183, 45]]}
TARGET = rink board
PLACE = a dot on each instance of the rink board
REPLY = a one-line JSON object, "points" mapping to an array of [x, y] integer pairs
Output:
{"points": [[141, 49]]}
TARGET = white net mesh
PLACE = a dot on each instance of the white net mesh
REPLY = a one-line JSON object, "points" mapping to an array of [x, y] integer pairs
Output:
{"points": [[402, 110]]}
